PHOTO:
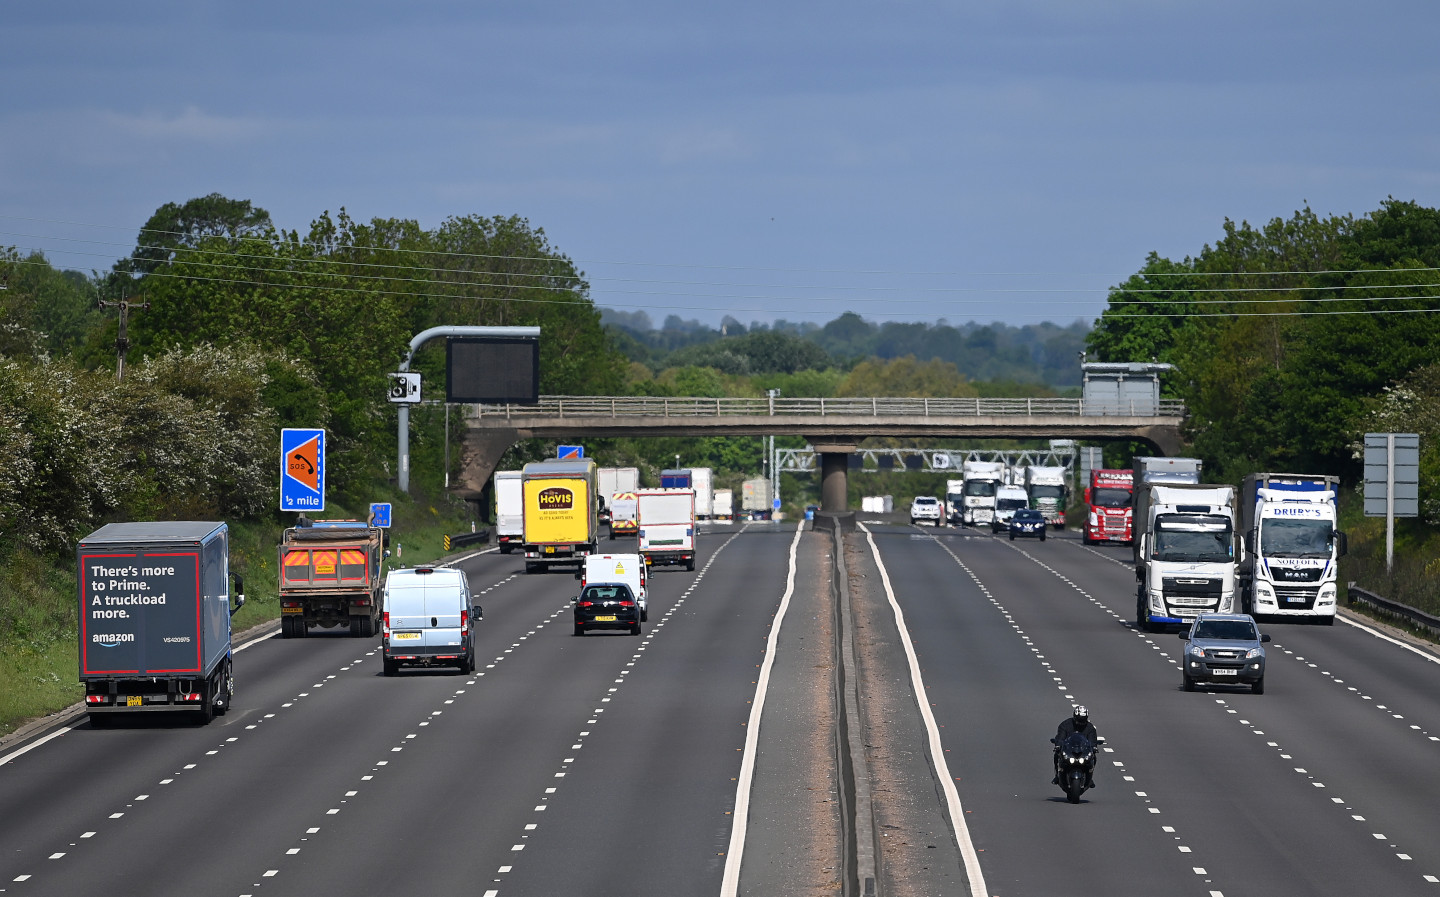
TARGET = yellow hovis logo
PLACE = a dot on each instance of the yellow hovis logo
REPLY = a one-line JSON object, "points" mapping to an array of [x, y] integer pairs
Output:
{"points": [[620, 568], [556, 498]]}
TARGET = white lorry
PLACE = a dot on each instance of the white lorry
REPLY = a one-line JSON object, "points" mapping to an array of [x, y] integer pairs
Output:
{"points": [[982, 479], [1149, 470], [700, 480], [667, 526], [509, 511], [955, 501], [1008, 500], [1188, 554], [755, 498], [1292, 548], [1049, 493], [722, 505]]}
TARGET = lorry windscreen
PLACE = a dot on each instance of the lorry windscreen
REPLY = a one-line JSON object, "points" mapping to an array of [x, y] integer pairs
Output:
{"points": [[1110, 498], [980, 487], [1046, 491], [1290, 538], [1192, 544]]}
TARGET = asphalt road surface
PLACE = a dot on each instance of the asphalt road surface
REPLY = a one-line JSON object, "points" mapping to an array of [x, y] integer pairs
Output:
{"points": [[609, 764]]}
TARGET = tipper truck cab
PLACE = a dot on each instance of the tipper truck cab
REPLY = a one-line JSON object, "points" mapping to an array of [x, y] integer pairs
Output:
{"points": [[154, 603], [330, 575], [1188, 554], [1109, 507], [1288, 523], [561, 519]]}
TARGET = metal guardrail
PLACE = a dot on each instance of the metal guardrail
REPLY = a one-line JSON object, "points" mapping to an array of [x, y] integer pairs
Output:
{"points": [[1394, 609], [691, 407], [460, 540]]}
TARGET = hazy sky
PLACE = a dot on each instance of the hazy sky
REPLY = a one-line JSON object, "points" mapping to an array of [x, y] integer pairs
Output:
{"points": [[905, 160]]}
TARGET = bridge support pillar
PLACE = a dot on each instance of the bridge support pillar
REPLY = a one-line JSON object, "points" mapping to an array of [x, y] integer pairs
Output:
{"points": [[480, 455], [834, 474]]}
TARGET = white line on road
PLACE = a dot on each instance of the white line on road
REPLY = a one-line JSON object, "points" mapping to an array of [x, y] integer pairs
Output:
{"points": [[937, 751], [730, 882]]}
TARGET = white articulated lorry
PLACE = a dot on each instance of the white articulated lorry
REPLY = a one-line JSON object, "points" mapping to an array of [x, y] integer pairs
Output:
{"points": [[1149, 470], [509, 511], [1188, 554], [1049, 493], [701, 479], [1292, 548], [982, 479]]}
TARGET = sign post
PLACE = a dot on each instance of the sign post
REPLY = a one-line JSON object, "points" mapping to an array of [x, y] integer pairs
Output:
{"points": [[1392, 482], [302, 470]]}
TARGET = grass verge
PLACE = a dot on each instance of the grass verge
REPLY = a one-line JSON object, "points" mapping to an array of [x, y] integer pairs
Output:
{"points": [[39, 651]]}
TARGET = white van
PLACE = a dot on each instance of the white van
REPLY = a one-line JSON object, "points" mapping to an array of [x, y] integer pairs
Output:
{"points": [[427, 619], [601, 569]]}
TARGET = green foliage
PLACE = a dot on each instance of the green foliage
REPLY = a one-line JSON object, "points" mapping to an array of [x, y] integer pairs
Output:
{"points": [[905, 377]]}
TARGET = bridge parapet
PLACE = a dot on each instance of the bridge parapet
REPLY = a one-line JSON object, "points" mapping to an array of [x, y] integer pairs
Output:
{"points": [[561, 407]]}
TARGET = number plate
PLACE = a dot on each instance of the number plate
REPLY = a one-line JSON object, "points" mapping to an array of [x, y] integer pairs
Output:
{"points": [[134, 701], [1223, 672], [609, 619], [549, 549], [405, 637], [1295, 599], [292, 610]]}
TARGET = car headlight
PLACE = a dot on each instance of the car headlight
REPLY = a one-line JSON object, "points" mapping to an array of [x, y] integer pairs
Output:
{"points": [[1197, 651], [1254, 653]]}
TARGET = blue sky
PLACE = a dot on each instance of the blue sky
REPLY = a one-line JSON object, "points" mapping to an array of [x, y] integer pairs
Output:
{"points": [[907, 160]]}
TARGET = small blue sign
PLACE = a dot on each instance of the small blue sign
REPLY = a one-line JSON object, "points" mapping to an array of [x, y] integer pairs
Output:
{"points": [[380, 514], [775, 504], [570, 452], [302, 470]]}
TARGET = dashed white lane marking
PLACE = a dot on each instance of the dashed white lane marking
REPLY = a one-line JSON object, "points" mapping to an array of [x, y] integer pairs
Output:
{"points": [[1299, 659]]}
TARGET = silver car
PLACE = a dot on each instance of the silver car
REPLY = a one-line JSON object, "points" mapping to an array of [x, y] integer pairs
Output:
{"points": [[1223, 648]]}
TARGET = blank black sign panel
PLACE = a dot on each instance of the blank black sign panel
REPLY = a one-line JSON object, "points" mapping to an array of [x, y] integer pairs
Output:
{"points": [[492, 370]]}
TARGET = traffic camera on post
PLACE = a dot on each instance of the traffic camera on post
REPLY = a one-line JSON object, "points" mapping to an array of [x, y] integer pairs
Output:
{"points": [[405, 388]]}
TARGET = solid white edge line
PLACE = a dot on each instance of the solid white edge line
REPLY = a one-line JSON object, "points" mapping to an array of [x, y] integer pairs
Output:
{"points": [[730, 883], [1383, 637], [937, 750], [473, 554], [36, 743]]}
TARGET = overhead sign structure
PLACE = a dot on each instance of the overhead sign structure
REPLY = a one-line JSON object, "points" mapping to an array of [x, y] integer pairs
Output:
{"points": [[380, 514], [302, 470], [570, 452]]}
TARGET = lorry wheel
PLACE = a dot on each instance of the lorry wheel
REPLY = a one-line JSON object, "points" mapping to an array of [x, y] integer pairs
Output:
{"points": [[1142, 614], [612, 535], [287, 627], [506, 549], [355, 628], [207, 707], [690, 565], [1328, 621]]}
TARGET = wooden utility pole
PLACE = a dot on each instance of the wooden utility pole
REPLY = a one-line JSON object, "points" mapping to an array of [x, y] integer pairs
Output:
{"points": [[122, 342]]}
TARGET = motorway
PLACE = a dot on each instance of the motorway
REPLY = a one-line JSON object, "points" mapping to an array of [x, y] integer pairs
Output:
{"points": [[612, 764]]}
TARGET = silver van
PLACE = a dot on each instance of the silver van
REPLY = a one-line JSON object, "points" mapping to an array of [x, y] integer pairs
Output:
{"points": [[428, 619]]}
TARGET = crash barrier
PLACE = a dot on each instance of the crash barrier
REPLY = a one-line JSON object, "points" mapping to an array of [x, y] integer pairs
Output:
{"points": [[463, 539], [857, 812], [1394, 609]]}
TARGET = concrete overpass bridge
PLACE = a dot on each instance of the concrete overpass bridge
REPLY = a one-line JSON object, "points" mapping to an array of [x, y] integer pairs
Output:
{"points": [[834, 427]]}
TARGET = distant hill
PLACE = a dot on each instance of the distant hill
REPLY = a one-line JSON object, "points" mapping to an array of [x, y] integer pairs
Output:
{"points": [[1044, 353]]}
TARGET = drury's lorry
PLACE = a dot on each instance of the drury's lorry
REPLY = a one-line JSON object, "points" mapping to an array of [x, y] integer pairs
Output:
{"points": [[955, 501], [755, 497], [1049, 493], [700, 480], [667, 526], [1148, 470], [1008, 500], [982, 479], [561, 513], [509, 511], [330, 575], [722, 506], [155, 618], [1188, 554], [1292, 548], [1109, 507]]}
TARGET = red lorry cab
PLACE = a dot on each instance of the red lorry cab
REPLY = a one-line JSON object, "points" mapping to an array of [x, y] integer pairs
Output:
{"points": [[1109, 505]]}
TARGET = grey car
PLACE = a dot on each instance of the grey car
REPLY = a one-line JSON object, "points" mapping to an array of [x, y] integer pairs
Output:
{"points": [[1224, 648]]}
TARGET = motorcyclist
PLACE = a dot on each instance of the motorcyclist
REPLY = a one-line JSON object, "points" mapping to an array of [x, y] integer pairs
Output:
{"points": [[1078, 722]]}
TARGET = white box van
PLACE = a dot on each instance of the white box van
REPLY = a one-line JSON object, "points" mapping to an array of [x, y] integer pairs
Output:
{"points": [[604, 569], [427, 619]]}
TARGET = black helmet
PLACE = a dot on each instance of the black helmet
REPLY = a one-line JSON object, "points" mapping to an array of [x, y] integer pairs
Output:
{"points": [[1081, 716]]}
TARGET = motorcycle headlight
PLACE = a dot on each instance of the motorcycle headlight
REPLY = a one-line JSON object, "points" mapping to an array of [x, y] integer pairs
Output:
{"points": [[1254, 653], [1197, 651]]}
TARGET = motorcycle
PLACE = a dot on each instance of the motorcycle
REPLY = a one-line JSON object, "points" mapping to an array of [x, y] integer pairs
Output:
{"points": [[1075, 764]]}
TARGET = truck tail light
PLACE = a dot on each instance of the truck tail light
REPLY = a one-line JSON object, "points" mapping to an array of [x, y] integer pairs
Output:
{"points": [[94, 699], [192, 697]]}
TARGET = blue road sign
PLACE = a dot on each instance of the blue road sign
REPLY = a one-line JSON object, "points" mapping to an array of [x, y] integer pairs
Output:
{"points": [[565, 452], [380, 514], [775, 504], [302, 470]]}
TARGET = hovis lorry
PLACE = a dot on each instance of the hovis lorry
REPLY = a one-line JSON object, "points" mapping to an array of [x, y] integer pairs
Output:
{"points": [[561, 514], [1109, 506], [1292, 548], [667, 526], [722, 506], [1148, 470], [509, 511], [701, 479], [330, 575], [1188, 554], [155, 618], [1049, 493], [982, 479]]}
